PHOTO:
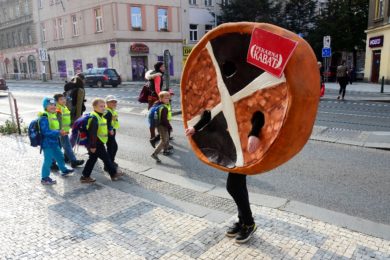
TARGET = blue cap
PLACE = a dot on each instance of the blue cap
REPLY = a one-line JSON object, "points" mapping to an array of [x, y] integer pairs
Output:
{"points": [[46, 101]]}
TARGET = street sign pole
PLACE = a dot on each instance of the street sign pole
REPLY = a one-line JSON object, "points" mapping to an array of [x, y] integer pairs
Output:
{"points": [[167, 58]]}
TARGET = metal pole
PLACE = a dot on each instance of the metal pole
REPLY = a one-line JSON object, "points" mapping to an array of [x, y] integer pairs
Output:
{"points": [[43, 67], [10, 107], [17, 116], [382, 84]]}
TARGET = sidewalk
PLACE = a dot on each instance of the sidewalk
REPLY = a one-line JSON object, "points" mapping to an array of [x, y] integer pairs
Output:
{"points": [[103, 221]]}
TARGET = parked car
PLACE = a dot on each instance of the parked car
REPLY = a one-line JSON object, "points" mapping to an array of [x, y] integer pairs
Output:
{"points": [[101, 77], [3, 85]]}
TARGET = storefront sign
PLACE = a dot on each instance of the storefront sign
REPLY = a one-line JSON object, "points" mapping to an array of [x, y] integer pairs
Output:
{"points": [[375, 41], [187, 50], [139, 48]]}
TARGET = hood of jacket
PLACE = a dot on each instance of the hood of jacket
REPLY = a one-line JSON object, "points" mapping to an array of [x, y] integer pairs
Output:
{"points": [[151, 74]]}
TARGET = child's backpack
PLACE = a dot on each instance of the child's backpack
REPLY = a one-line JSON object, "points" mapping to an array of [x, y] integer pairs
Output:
{"points": [[34, 133], [153, 119], [79, 131]]}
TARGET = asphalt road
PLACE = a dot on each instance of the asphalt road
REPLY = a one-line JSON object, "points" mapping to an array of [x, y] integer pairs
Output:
{"points": [[347, 179]]}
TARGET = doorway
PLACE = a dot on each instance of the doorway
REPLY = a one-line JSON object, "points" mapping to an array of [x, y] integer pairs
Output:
{"points": [[376, 63], [139, 67]]}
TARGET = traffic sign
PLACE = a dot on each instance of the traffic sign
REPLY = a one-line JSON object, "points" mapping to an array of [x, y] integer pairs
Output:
{"points": [[326, 52], [42, 54], [327, 41]]}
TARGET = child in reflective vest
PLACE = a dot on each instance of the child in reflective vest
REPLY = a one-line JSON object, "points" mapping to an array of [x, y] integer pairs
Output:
{"points": [[164, 126], [63, 116], [97, 139], [50, 130], [111, 115]]}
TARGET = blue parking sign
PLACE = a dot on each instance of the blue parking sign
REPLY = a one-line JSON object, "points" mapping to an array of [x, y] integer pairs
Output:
{"points": [[326, 52]]}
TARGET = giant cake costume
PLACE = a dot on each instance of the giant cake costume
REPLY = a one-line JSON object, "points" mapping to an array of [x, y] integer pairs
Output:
{"points": [[238, 69]]}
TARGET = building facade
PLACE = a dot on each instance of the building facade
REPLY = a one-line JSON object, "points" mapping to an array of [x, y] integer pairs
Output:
{"points": [[129, 36], [377, 61], [18, 40]]}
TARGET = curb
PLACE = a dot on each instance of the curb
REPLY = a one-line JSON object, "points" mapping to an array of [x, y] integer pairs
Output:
{"points": [[316, 213]]}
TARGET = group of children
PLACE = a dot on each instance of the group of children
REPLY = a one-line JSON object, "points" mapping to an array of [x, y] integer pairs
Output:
{"points": [[55, 124]]}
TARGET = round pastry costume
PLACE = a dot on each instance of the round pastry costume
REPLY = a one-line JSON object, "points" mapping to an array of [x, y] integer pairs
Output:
{"points": [[234, 71]]}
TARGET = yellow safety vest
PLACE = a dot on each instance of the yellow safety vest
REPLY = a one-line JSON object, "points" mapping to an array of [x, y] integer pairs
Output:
{"points": [[102, 132], [115, 121], [66, 121], [53, 120], [169, 116]]}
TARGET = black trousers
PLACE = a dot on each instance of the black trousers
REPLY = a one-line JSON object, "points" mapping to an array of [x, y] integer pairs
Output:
{"points": [[102, 154], [112, 146], [343, 85], [236, 186]]}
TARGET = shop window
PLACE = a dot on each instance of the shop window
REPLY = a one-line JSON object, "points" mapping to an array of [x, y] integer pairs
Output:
{"points": [[61, 64], [102, 62], [208, 2], [192, 2]]}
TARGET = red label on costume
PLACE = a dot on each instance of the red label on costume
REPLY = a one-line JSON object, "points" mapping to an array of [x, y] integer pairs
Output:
{"points": [[270, 51]]}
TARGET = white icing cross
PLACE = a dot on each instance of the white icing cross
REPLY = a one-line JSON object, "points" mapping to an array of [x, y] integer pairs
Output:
{"points": [[265, 80]]}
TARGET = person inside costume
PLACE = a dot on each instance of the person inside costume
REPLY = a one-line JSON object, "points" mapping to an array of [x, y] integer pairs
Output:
{"points": [[236, 183]]}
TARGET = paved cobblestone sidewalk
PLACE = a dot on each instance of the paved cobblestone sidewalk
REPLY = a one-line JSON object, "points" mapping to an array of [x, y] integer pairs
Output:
{"points": [[75, 221]]}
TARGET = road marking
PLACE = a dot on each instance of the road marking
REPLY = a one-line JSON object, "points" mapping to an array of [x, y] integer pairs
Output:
{"points": [[344, 114]]}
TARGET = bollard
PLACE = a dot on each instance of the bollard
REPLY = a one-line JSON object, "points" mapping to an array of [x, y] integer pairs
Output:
{"points": [[382, 83], [17, 116]]}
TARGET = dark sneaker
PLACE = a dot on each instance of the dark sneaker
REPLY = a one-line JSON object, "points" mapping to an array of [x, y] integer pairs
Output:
{"points": [[245, 233], [48, 181], [233, 230], [154, 156], [76, 163], [67, 172], [115, 164], [170, 147], [87, 179], [54, 167], [153, 141], [167, 152], [171, 138]]}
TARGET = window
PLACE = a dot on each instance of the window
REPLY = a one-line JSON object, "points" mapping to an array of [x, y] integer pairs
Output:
{"points": [[26, 7], [75, 26], [207, 28], [225, 2], [136, 17], [378, 9], [162, 19], [29, 36], [98, 20], [17, 9], [192, 2], [43, 32], [55, 27], [40, 4], [193, 32], [14, 39], [208, 2], [21, 40], [60, 28]]}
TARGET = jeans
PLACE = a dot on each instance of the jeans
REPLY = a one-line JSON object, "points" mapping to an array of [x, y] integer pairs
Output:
{"points": [[236, 186], [102, 154], [49, 154], [65, 143]]}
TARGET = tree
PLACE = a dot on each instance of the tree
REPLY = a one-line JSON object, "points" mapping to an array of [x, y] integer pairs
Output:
{"points": [[299, 16], [251, 11], [345, 21]]}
